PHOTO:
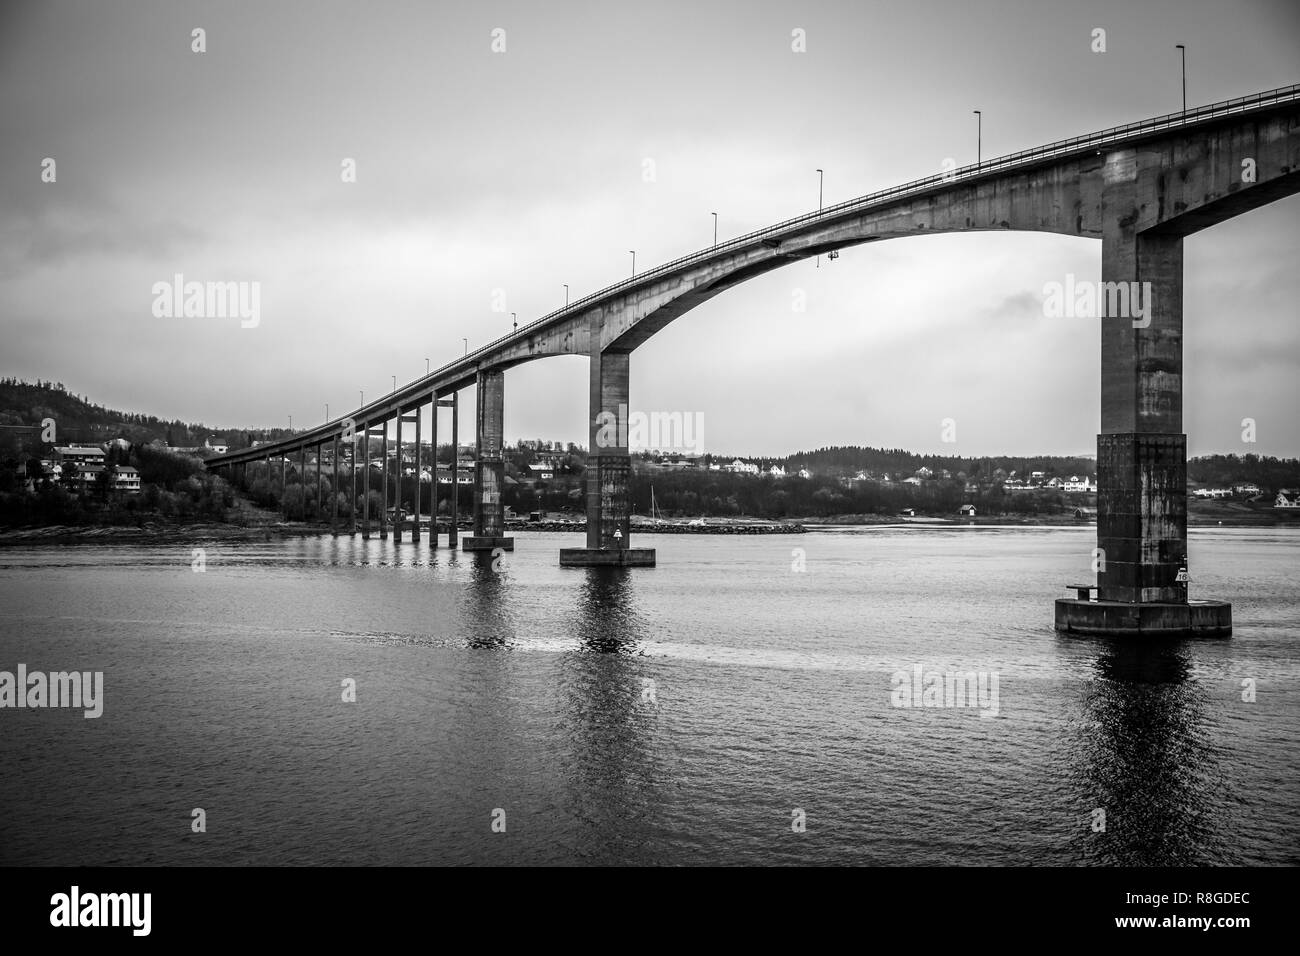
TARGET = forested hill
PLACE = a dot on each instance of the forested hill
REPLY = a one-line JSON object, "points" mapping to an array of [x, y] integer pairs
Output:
{"points": [[895, 461], [79, 420]]}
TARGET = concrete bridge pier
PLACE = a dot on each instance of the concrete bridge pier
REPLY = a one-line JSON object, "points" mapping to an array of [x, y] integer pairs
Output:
{"points": [[609, 472], [1142, 450], [489, 465], [453, 531]]}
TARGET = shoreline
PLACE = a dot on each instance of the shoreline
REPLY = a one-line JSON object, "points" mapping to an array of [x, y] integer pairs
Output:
{"points": [[218, 531]]}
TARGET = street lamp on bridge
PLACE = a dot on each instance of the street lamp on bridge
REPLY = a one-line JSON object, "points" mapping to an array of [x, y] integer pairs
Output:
{"points": [[515, 319], [363, 397], [1182, 51], [566, 295], [327, 411], [979, 135], [394, 383], [426, 368], [466, 341], [633, 251], [715, 229]]}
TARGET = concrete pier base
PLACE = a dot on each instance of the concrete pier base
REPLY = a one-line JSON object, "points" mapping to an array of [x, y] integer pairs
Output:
{"points": [[1153, 619], [487, 543], [607, 557]]}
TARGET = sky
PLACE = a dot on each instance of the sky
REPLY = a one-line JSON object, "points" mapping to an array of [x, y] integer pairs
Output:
{"points": [[491, 178]]}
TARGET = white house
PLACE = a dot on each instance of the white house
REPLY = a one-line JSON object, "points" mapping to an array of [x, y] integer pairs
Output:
{"points": [[966, 511], [216, 445], [805, 473], [1080, 484], [776, 471], [126, 479], [743, 467], [1287, 498]]}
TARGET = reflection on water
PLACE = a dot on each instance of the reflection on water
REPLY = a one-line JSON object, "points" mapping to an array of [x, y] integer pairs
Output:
{"points": [[1147, 758], [484, 600], [609, 714], [669, 715]]}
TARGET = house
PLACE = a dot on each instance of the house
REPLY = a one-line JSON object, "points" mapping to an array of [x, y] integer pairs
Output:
{"points": [[1287, 498], [217, 446], [908, 513], [126, 479], [79, 454], [742, 467], [776, 471], [966, 511], [1085, 512], [923, 472], [545, 472], [1247, 488], [1085, 484], [914, 480], [805, 473]]}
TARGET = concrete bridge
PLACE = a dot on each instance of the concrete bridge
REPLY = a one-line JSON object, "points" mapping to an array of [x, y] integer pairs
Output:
{"points": [[1139, 188]]}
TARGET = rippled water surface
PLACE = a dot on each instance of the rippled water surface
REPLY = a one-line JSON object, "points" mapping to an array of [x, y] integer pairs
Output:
{"points": [[527, 689]]}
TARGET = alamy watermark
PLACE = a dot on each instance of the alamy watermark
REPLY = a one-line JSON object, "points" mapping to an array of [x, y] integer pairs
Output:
{"points": [[918, 688], [84, 689], [1075, 299], [658, 431], [208, 300]]}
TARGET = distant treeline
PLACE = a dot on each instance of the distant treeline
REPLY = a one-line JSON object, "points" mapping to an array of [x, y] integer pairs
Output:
{"points": [[77, 420]]}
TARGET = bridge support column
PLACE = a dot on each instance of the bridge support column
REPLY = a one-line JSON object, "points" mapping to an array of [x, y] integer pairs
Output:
{"points": [[453, 531], [383, 478], [419, 487], [397, 495], [435, 404], [489, 465], [609, 471], [365, 481], [1141, 451]]}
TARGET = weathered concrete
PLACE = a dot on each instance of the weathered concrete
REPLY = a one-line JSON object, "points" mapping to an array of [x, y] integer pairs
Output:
{"points": [[1147, 619], [612, 557], [489, 463], [452, 531]]}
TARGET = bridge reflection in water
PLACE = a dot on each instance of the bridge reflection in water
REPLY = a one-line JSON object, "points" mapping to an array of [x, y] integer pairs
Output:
{"points": [[1145, 755]]}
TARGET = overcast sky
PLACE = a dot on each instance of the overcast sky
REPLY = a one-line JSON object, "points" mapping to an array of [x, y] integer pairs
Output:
{"points": [[524, 170]]}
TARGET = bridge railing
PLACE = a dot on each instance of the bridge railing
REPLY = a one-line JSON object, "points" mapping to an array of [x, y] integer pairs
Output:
{"points": [[1025, 157]]}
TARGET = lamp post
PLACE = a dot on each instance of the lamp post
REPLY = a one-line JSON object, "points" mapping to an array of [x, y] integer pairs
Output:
{"points": [[1182, 51], [466, 341], [979, 134], [566, 295], [515, 318], [715, 229], [290, 423], [327, 411], [363, 396], [426, 368], [394, 383], [633, 251]]}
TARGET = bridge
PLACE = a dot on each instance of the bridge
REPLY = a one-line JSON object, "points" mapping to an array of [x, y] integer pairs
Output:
{"points": [[1139, 188]]}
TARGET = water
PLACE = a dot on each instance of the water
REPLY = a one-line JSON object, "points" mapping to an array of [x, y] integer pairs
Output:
{"points": [[525, 690]]}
